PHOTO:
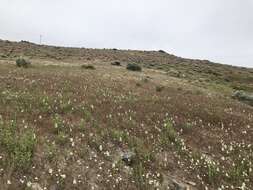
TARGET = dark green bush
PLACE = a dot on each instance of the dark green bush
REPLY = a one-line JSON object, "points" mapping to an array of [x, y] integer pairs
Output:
{"points": [[91, 67], [159, 88], [162, 51], [21, 62], [4, 56], [138, 84], [133, 67]]}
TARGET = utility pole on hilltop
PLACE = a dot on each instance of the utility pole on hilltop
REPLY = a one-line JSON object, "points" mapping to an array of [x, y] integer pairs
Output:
{"points": [[40, 39]]}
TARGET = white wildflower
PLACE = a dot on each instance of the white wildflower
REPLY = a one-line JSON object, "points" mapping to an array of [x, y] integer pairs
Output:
{"points": [[50, 171]]}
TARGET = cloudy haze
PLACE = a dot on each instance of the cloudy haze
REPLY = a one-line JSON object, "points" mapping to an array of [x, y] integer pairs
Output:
{"points": [[218, 30]]}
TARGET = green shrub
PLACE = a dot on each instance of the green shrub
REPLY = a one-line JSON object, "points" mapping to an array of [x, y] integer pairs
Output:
{"points": [[21, 62], [133, 67]]}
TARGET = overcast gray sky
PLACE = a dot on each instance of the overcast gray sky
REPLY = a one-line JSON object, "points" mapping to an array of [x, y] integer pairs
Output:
{"points": [[218, 30]]}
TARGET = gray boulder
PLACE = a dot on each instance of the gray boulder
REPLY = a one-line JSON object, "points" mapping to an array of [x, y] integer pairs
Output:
{"points": [[243, 96], [128, 157]]}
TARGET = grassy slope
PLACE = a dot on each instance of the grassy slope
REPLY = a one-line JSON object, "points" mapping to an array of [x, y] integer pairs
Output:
{"points": [[177, 116]]}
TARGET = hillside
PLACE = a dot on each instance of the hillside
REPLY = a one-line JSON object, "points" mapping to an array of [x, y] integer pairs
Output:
{"points": [[173, 125]]}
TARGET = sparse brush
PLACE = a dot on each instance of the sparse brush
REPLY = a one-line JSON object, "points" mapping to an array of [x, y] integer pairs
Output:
{"points": [[239, 170], [186, 127], [59, 124], [139, 176], [50, 152], [61, 138], [169, 134], [118, 136]]}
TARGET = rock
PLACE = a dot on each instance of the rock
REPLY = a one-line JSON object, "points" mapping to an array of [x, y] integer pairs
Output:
{"points": [[243, 96], [128, 157], [179, 185], [116, 63], [53, 187], [175, 183], [36, 186], [191, 183]]}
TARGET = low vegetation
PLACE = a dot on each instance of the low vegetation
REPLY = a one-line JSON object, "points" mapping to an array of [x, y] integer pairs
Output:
{"points": [[17, 146]]}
